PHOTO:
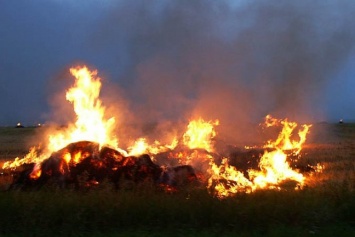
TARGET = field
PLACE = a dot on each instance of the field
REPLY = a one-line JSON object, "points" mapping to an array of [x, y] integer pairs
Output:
{"points": [[325, 207]]}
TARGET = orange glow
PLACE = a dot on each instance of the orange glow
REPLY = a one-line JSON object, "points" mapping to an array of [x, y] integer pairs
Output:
{"points": [[36, 172], [226, 180], [196, 146], [284, 141], [274, 170], [141, 146], [90, 124], [199, 134], [31, 157]]}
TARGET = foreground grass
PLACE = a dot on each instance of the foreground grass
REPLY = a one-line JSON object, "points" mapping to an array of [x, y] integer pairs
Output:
{"points": [[326, 208], [144, 212]]}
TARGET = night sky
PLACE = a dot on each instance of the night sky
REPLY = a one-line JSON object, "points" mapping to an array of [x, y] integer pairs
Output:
{"points": [[172, 60]]}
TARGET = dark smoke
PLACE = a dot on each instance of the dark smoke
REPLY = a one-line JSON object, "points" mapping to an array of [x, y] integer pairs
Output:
{"points": [[180, 60], [235, 63]]}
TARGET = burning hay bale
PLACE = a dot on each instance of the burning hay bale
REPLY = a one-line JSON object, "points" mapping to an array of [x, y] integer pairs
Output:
{"points": [[65, 162], [21, 176], [66, 166], [179, 176]]}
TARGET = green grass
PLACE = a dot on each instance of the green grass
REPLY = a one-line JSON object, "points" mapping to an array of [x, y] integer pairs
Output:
{"points": [[325, 208], [316, 210], [16, 142]]}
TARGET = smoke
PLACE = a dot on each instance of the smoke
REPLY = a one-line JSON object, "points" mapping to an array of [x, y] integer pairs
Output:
{"points": [[218, 60]]}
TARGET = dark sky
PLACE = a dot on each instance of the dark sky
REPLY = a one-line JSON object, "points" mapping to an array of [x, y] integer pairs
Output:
{"points": [[170, 60]]}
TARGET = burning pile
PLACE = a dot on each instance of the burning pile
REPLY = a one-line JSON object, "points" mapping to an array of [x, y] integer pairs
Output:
{"points": [[89, 147]]}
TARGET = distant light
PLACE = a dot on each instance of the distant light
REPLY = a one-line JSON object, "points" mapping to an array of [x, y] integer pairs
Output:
{"points": [[19, 125]]}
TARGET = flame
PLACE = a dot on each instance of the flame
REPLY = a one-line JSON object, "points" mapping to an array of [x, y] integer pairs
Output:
{"points": [[141, 146], [36, 172], [284, 140], [31, 157], [90, 124], [199, 134], [198, 146], [274, 170], [226, 180]]}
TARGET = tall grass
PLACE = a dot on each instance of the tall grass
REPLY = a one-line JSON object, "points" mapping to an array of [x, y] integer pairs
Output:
{"points": [[312, 210]]}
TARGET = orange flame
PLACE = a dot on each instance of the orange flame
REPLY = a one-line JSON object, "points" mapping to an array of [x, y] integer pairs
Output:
{"points": [[284, 140], [199, 134], [90, 124], [31, 157], [274, 168], [141, 146], [224, 180], [227, 180]]}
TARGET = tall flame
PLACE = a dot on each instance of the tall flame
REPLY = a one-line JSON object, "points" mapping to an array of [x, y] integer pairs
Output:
{"points": [[284, 140], [90, 124], [224, 180]]}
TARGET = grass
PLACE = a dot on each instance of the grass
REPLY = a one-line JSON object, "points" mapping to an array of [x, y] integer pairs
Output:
{"points": [[326, 207], [58, 212], [15, 142]]}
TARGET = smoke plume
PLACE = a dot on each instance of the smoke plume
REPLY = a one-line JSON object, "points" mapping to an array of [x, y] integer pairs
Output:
{"points": [[217, 60]]}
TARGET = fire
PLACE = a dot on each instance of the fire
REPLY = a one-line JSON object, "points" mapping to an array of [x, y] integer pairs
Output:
{"points": [[90, 124], [32, 156], [284, 140], [274, 167], [141, 146], [227, 180], [274, 170], [199, 134], [36, 172], [197, 149]]}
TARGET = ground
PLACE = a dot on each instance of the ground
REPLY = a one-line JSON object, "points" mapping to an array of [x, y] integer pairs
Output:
{"points": [[325, 207]]}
